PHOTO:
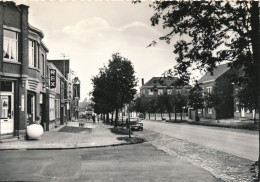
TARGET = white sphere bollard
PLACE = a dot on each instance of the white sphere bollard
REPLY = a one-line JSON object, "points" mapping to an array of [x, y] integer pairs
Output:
{"points": [[34, 131]]}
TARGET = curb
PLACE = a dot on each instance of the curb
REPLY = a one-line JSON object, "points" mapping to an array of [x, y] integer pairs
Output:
{"points": [[71, 148]]}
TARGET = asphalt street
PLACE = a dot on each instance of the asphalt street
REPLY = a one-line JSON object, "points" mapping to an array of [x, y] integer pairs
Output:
{"points": [[240, 144], [140, 162]]}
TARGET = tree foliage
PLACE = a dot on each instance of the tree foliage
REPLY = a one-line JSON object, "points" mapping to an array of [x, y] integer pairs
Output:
{"points": [[211, 32], [114, 85]]}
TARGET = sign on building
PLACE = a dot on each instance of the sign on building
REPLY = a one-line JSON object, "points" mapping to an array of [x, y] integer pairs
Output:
{"points": [[52, 78]]}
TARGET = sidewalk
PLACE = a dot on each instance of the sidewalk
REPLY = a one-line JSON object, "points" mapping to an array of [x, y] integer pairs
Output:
{"points": [[90, 135]]}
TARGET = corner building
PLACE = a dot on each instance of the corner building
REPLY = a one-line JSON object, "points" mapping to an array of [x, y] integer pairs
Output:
{"points": [[22, 71]]}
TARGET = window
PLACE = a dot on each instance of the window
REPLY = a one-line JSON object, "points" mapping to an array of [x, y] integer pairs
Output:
{"points": [[10, 45], [160, 91], [169, 91], [209, 90], [43, 64], [178, 91], [150, 92], [33, 54]]}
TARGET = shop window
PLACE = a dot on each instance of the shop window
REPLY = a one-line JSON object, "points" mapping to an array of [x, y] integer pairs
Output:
{"points": [[169, 91], [30, 108], [10, 51]]}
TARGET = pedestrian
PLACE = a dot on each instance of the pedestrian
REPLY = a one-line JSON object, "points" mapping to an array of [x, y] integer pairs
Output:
{"points": [[98, 118], [94, 117]]}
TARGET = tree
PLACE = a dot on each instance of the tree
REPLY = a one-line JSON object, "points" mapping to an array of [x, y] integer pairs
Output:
{"points": [[102, 93], [170, 101], [212, 32], [181, 102], [161, 103], [122, 80], [153, 106], [195, 99]]}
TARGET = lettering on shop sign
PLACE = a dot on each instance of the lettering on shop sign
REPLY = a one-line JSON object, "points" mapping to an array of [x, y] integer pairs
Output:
{"points": [[52, 78]]}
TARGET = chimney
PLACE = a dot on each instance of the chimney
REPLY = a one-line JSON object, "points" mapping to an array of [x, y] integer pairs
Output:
{"points": [[142, 81]]}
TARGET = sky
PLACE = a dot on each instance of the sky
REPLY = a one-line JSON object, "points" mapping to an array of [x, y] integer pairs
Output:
{"points": [[89, 32]]}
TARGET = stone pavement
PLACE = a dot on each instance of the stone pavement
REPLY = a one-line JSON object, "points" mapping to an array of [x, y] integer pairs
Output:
{"points": [[95, 135]]}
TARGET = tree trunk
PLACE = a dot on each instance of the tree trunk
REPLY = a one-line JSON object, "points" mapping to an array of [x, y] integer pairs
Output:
{"points": [[107, 119], [112, 117], [116, 118], [154, 116], [181, 116], [161, 116], [149, 115], [175, 114], [255, 46], [170, 116], [196, 115]]}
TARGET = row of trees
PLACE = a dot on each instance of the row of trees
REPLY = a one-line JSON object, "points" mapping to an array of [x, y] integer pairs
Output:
{"points": [[161, 104], [114, 86], [177, 102]]}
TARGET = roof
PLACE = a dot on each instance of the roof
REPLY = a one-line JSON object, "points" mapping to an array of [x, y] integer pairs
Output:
{"points": [[36, 30], [217, 72], [160, 81]]}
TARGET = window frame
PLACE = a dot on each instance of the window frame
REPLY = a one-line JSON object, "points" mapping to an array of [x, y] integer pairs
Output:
{"points": [[10, 41]]}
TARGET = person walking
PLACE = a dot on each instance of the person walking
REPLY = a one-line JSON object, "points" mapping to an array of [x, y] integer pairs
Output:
{"points": [[94, 118]]}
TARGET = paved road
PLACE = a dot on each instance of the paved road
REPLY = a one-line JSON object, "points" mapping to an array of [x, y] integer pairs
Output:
{"points": [[140, 162], [243, 145]]}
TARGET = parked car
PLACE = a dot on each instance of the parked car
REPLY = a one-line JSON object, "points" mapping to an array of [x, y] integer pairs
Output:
{"points": [[135, 124]]}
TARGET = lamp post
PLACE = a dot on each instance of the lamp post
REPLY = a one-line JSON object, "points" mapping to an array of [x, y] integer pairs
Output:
{"points": [[76, 83]]}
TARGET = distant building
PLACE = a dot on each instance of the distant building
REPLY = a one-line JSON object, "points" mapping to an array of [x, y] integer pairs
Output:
{"points": [[221, 82], [160, 85]]}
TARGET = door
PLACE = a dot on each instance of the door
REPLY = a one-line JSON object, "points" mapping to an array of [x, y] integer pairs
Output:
{"points": [[6, 112]]}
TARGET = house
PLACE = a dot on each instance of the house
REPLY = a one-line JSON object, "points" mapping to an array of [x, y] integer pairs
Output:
{"points": [[56, 97], [63, 65], [23, 66], [157, 86], [160, 85], [219, 82]]}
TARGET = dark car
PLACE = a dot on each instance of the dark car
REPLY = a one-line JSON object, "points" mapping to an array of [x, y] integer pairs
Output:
{"points": [[135, 124]]}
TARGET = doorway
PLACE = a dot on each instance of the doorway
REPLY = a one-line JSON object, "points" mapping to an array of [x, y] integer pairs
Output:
{"points": [[7, 107]]}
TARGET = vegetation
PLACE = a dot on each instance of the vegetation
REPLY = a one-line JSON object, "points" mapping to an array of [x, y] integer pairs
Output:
{"points": [[114, 86], [212, 32]]}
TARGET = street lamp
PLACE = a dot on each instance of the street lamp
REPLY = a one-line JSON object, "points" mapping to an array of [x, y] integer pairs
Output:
{"points": [[76, 84]]}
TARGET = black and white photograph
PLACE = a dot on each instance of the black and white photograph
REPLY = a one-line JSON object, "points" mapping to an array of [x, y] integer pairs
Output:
{"points": [[129, 90]]}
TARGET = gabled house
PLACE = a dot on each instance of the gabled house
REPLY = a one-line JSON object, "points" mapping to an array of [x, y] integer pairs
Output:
{"points": [[220, 82], [160, 85]]}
